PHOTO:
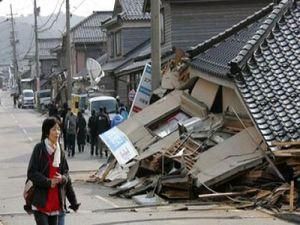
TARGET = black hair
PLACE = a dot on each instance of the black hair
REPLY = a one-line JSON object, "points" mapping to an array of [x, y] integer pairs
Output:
{"points": [[47, 125], [79, 114]]}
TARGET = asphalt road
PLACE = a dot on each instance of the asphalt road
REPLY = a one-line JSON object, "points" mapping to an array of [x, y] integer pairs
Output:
{"points": [[20, 129]]}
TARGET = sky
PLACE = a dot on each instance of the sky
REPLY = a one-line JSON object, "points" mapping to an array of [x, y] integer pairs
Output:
{"points": [[47, 7]]}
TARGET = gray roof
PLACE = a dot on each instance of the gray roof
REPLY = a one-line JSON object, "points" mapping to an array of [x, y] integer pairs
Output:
{"points": [[128, 10], [89, 29], [267, 74], [45, 46], [213, 56], [133, 10]]}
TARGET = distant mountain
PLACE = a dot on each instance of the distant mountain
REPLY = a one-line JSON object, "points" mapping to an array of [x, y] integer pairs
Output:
{"points": [[24, 30]]}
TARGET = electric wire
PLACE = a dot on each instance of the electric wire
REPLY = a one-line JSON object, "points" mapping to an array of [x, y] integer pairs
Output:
{"points": [[50, 17], [55, 20]]}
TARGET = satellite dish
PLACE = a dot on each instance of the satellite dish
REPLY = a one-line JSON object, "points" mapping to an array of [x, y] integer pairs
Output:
{"points": [[94, 70]]}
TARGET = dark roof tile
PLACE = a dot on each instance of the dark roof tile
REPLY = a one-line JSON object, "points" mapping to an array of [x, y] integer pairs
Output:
{"points": [[273, 61]]}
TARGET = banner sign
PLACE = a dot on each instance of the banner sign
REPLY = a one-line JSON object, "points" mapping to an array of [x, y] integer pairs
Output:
{"points": [[119, 145], [144, 91]]}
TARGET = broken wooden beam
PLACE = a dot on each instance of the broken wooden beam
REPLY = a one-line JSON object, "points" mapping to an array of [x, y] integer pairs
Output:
{"points": [[292, 189], [227, 194]]}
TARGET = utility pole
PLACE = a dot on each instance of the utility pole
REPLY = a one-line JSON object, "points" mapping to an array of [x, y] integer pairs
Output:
{"points": [[68, 52], [155, 43], [13, 43], [37, 68]]}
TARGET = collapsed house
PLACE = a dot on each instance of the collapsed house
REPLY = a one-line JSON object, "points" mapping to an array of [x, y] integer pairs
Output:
{"points": [[226, 125]]}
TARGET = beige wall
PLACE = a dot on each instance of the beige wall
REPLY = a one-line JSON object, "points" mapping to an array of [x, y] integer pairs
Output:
{"points": [[206, 87], [231, 99]]}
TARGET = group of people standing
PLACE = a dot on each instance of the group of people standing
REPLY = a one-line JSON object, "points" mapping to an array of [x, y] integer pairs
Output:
{"points": [[77, 129]]}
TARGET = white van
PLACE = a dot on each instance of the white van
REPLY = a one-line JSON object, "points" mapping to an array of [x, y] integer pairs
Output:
{"points": [[110, 103], [26, 99]]}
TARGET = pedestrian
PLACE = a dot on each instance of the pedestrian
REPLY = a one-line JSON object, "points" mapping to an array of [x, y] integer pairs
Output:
{"points": [[123, 111], [118, 118], [71, 196], [80, 131], [103, 126], [15, 99], [93, 132], [63, 114], [107, 118], [70, 124], [48, 170]]}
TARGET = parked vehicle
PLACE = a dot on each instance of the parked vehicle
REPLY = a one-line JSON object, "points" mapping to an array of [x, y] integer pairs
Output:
{"points": [[26, 99], [95, 103], [43, 98], [110, 103]]}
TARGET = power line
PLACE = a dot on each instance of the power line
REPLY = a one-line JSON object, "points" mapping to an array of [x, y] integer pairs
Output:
{"points": [[77, 7], [54, 21], [50, 17]]}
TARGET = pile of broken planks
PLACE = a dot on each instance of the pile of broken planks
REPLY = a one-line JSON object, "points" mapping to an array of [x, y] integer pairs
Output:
{"points": [[221, 162]]}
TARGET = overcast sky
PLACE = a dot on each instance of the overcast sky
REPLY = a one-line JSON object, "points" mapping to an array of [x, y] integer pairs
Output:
{"points": [[78, 7]]}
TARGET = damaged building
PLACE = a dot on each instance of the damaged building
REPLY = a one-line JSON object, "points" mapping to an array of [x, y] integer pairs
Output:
{"points": [[226, 125]]}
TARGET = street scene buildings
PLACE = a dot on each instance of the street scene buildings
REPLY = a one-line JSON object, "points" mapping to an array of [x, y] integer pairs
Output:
{"points": [[216, 140]]}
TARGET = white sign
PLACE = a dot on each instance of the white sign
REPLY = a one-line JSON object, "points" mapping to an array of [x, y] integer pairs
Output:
{"points": [[119, 144], [144, 91]]}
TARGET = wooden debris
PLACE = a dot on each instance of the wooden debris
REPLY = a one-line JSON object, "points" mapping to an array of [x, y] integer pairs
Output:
{"points": [[225, 194], [292, 189]]}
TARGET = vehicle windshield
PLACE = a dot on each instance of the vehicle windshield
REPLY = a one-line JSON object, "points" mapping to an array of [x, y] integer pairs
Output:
{"points": [[28, 94], [45, 94], [111, 105]]}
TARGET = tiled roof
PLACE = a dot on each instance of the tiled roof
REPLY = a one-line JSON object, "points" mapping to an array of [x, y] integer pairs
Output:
{"points": [[213, 55], [45, 46], [267, 74], [133, 10], [89, 29]]}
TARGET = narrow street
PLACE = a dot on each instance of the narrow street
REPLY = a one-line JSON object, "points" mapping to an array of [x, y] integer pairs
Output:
{"points": [[20, 130]]}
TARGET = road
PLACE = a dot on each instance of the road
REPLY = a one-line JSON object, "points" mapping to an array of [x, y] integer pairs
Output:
{"points": [[20, 129]]}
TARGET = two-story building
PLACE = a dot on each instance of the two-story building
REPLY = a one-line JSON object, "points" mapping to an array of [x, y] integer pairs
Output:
{"points": [[128, 34]]}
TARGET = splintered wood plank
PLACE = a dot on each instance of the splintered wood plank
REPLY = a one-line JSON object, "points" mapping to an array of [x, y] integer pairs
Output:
{"points": [[292, 189]]}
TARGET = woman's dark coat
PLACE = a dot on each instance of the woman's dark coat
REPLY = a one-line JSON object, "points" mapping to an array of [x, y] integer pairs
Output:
{"points": [[38, 170]]}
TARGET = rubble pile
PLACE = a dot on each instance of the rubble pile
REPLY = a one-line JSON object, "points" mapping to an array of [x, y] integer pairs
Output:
{"points": [[214, 159]]}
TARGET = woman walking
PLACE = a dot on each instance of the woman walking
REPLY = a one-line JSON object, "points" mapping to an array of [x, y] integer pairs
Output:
{"points": [[81, 131], [48, 170]]}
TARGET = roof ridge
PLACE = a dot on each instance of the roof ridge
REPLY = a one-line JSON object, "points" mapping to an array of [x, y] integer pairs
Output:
{"points": [[95, 13], [265, 29], [193, 51]]}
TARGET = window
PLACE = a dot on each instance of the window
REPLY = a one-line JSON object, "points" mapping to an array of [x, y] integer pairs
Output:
{"points": [[118, 43], [111, 45], [162, 26]]}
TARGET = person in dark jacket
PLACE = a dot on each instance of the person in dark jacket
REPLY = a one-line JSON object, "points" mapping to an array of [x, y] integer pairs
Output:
{"points": [[93, 132], [63, 114], [70, 124], [104, 125], [48, 170], [81, 132]]}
